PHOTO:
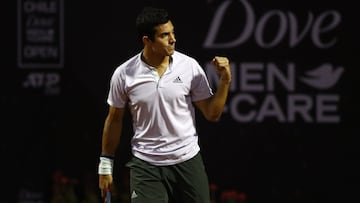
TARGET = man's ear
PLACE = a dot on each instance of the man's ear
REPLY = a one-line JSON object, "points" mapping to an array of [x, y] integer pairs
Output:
{"points": [[145, 39]]}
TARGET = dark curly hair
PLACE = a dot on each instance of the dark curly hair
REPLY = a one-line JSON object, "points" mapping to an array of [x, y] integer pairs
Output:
{"points": [[148, 19]]}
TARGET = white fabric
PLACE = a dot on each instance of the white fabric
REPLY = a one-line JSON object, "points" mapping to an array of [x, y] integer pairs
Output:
{"points": [[162, 109], [105, 166]]}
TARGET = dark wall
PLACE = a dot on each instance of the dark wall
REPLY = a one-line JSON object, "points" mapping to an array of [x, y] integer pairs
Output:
{"points": [[288, 133]]}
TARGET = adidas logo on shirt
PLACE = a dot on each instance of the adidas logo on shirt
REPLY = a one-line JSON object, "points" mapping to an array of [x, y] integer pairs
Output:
{"points": [[177, 80]]}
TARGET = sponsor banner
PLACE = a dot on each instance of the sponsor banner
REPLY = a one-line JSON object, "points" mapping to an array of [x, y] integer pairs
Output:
{"points": [[40, 45], [40, 34], [288, 79]]}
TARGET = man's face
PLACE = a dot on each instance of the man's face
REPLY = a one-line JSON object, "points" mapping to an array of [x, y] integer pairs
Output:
{"points": [[164, 39]]}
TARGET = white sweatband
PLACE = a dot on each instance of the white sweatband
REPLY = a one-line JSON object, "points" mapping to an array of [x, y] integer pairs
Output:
{"points": [[106, 165]]}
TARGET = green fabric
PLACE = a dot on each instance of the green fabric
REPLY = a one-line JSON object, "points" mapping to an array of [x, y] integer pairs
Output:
{"points": [[186, 182]]}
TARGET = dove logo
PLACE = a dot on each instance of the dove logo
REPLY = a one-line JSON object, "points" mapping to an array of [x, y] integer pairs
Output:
{"points": [[270, 91], [257, 26], [323, 77]]}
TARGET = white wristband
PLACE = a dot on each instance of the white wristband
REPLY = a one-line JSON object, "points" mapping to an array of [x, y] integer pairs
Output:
{"points": [[106, 166]]}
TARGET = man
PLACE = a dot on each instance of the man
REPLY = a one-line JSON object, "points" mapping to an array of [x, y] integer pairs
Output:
{"points": [[161, 86]]}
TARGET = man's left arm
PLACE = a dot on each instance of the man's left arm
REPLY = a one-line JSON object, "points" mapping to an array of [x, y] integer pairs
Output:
{"points": [[213, 107]]}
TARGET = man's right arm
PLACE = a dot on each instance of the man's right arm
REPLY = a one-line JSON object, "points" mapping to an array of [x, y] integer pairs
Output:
{"points": [[110, 141], [112, 131]]}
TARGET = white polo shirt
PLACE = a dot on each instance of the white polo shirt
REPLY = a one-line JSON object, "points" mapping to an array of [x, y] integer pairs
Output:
{"points": [[162, 112]]}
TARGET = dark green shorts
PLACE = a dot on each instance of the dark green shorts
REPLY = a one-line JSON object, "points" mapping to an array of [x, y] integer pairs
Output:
{"points": [[185, 182]]}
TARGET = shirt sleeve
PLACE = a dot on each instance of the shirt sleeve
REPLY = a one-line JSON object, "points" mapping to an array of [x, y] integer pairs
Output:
{"points": [[117, 95], [200, 88]]}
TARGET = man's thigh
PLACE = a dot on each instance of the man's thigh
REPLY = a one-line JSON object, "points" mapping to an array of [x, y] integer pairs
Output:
{"points": [[145, 183]]}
